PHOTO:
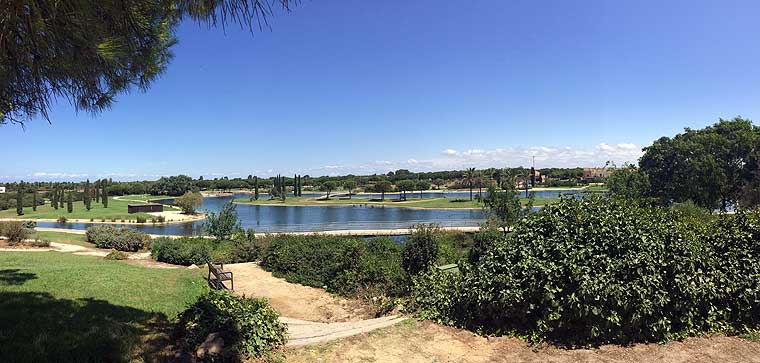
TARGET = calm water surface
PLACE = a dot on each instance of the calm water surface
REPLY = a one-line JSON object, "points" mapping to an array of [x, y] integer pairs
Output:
{"points": [[264, 218]]}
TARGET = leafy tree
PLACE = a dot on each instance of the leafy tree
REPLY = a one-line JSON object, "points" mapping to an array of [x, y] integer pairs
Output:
{"points": [[628, 182], [189, 201], [349, 184], [173, 185], [405, 185], [328, 187], [20, 199], [224, 224], [70, 202], [383, 187], [707, 166], [34, 199], [422, 185], [504, 206], [87, 198], [48, 53], [420, 249], [54, 198], [469, 178]]}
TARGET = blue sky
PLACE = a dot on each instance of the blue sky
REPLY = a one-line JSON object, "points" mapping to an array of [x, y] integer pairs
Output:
{"points": [[360, 87]]}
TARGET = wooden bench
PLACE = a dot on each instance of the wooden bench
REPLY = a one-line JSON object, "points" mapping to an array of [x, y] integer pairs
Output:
{"points": [[220, 276]]}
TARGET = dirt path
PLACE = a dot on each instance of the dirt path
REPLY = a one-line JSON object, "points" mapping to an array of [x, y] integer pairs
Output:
{"points": [[294, 300], [422, 342]]}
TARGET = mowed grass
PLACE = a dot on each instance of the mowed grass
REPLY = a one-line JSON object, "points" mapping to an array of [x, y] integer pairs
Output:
{"points": [[411, 202], [63, 237], [67, 308], [117, 209]]}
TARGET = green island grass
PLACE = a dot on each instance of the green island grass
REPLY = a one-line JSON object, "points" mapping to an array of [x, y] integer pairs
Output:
{"points": [[63, 237], [596, 188], [116, 209], [67, 308], [411, 202]]}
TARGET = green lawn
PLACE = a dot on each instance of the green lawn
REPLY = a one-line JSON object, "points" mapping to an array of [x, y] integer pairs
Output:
{"points": [[116, 209], [67, 308], [411, 202], [63, 237], [596, 188]]}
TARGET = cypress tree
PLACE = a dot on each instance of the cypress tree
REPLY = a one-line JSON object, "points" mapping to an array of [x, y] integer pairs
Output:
{"points": [[34, 199], [20, 199], [104, 197], [97, 191], [256, 188], [54, 198], [70, 203], [87, 198]]}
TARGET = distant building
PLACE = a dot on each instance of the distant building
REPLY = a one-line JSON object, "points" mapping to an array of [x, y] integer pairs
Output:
{"points": [[597, 173], [2, 189], [145, 208]]}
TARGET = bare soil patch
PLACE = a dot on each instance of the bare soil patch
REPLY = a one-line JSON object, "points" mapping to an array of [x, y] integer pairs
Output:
{"points": [[294, 300], [418, 342]]}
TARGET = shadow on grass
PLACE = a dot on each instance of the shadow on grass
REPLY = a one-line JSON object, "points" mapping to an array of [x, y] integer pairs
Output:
{"points": [[36, 327], [15, 277]]}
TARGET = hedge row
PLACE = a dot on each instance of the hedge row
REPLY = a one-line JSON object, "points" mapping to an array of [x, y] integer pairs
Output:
{"points": [[121, 239], [342, 265], [597, 271]]}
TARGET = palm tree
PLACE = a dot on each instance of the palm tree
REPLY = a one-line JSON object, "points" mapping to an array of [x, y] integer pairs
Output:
{"points": [[469, 178]]}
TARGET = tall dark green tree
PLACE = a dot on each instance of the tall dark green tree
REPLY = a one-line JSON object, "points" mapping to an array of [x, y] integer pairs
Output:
{"points": [[54, 197], [34, 199], [707, 166], [20, 199], [89, 52], [87, 197], [70, 202], [104, 194], [96, 186], [256, 188]]}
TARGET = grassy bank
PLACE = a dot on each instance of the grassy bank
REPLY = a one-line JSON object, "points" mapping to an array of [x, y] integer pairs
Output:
{"points": [[63, 237], [117, 209], [411, 202], [63, 307]]}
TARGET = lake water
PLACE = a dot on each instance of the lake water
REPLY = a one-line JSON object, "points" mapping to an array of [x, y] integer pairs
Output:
{"points": [[264, 218]]}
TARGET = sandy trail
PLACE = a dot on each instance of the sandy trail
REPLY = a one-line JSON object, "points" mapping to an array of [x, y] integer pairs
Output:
{"points": [[423, 342]]}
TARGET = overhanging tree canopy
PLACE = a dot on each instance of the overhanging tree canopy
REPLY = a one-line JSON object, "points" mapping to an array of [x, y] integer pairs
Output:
{"points": [[90, 51]]}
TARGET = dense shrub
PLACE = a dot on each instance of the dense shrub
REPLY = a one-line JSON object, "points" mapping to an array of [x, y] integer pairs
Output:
{"points": [[141, 219], [116, 255], [249, 326], [182, 251], [62, 219], [122, 239], [14, 231], [420, 249], [344, 265], [596, 271]]}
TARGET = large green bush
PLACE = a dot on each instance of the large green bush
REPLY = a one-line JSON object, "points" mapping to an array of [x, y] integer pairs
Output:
{"points": [[345, 265], [421, 249], [182, 251], [598, 270], [121, 239], [249, 326]]}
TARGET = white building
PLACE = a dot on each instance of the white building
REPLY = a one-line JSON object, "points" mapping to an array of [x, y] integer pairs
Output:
{"points": [[2, 189]]}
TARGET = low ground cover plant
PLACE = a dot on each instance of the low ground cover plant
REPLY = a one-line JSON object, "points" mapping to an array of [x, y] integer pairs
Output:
{"points": [[600, 270], [121, 239], [249, 326]]}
